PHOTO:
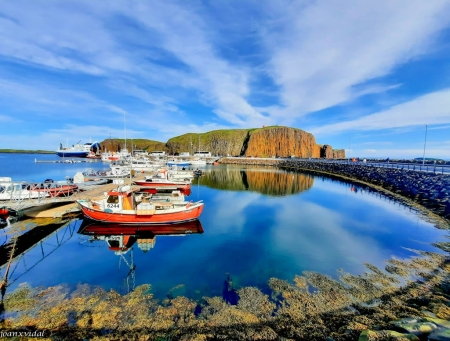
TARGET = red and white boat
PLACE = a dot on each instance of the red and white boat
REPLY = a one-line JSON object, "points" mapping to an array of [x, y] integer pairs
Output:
{"points": [[124, 206]]}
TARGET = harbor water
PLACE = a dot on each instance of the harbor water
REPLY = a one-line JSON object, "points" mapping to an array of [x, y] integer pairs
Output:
{"points": [[257, 223]]}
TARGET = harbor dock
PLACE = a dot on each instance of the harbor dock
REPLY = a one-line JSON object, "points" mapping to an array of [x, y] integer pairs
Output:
{"points": [[67, 161]]}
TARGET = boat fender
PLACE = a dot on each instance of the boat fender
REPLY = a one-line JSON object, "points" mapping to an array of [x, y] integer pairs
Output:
{"points": [[108, 210]]}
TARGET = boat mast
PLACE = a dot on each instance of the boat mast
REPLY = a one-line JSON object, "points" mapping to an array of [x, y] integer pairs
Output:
{"points": [[125, 129]]}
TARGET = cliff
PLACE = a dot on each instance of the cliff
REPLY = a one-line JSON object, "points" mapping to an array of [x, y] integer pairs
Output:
{"points": [[282, 142], [259, 142]]}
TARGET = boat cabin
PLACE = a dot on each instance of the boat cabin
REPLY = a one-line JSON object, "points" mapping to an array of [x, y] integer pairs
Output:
{"points": [[125, 199]]}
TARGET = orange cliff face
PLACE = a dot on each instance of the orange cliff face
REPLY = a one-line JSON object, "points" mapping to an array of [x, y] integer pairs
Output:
{"points": [[282, 142], [278, 141]]}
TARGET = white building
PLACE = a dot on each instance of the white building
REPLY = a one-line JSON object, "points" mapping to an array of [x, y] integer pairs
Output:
{"points": [[201, 153], [158, 153]]}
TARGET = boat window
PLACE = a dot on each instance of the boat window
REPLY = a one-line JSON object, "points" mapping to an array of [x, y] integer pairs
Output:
{"points": [[113, 199]]}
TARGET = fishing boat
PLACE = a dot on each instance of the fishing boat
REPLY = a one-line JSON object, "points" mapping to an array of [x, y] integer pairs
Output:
{"points": [[78, 150], [124, 206], [160, 180]]}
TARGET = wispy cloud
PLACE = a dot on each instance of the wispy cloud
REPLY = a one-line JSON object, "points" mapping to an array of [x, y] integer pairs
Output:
{"points": [[175, 67], [428, 109], [323, 50]]}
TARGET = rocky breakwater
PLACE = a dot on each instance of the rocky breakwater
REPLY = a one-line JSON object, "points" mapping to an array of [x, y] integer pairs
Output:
{"points": [[249, 161], [427, 189]]}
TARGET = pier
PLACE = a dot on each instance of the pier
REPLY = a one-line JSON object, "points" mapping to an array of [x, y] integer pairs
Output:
{"points": [[67, 161]]}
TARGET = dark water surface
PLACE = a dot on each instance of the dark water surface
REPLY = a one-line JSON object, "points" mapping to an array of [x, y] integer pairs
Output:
{"points": [[257, 224]]}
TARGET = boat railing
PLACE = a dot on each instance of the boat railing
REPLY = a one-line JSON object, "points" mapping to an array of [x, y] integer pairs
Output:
{"points": [[385, 163], [18, 192]]}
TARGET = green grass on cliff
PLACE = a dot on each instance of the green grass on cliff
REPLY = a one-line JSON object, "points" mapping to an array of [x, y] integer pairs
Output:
{"points": [[22, 151]]}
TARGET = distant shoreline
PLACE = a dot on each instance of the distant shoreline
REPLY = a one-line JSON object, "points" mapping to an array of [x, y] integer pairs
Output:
{"points": [[21, 151]]}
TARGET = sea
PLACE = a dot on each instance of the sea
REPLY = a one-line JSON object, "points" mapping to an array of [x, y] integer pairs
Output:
{"points": [[258, 223]]}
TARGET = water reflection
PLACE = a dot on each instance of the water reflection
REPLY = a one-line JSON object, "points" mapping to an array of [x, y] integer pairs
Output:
{"points": [[276, 183], [120, 239]]}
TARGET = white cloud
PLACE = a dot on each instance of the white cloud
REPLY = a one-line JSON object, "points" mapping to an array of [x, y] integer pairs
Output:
{"points": [[154, 59], [322, 50], [425, 110]]}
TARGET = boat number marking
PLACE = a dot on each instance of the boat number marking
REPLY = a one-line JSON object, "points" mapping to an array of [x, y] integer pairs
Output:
{"points": [[112, 205]]}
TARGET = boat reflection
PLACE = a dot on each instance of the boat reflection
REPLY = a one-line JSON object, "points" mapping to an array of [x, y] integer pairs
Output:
{"points": [[120, 238]]}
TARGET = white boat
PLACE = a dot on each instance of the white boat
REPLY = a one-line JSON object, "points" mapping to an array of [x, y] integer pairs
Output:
{"points": [[84, 182], [19, 191], [123, 155], [116, 172], [144, 165], [198, 162], [175, 173], [178, 163]]}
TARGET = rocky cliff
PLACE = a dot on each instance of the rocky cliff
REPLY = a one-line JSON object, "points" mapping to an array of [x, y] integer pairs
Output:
{"points": [[281, 142], [261, 142]]}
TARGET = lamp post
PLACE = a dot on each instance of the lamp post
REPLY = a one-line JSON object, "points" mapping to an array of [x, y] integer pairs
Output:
{"points": [[425, 144], [348, 156]]}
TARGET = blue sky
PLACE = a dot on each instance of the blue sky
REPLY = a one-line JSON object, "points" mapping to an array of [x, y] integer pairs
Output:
{"points": [[366, 76]]}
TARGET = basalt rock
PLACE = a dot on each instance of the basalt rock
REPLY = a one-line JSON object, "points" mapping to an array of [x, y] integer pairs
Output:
{"points": [[283, 142], [272, 141]]}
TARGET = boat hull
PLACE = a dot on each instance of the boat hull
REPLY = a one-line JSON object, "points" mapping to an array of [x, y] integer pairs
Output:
{"points": [[71, 154], [142, 219], [178, 164]]}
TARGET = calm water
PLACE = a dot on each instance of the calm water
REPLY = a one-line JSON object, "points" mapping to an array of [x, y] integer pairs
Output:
{"points": [[257, 224]]}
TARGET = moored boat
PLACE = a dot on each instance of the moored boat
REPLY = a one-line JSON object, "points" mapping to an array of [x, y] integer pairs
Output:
{"points": [[17, 191], [179, 163], [124, 206], [78, 150], [55, 189], [160, 180]]}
